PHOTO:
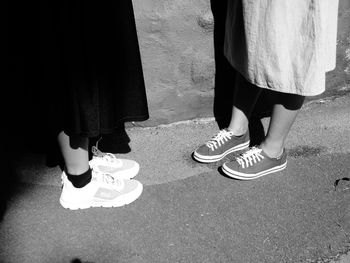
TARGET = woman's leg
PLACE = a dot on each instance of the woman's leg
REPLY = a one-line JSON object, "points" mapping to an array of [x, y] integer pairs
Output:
{"points": [[75, 153], [76, 158], [270, 156], [244, 101], [236, 136], [283, 116]]}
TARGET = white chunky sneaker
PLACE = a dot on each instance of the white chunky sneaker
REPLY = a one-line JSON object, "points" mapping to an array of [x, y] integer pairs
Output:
{"points": [[104, 190], [108, 163]]}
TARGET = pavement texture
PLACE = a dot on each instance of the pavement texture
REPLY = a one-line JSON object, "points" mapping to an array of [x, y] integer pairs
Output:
{"points": [[190, 212]]}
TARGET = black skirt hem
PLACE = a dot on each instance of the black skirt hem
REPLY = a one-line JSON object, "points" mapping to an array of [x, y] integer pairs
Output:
{"points": [[96, 133]]}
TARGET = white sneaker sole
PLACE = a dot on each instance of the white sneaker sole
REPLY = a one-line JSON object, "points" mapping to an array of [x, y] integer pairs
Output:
{"points": [[216, 158], [242, 176], [118, 202]]}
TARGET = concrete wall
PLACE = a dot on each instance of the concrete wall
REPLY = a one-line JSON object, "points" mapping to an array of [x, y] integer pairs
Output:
{"points": [[178, 59], [176, 41], [338, 81]]}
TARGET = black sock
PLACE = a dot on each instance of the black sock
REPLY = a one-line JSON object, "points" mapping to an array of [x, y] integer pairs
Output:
{"points": [[80, 180]]}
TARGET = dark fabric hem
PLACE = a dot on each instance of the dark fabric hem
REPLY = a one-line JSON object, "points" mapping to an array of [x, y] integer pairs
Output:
{"points": [[96, 133]]}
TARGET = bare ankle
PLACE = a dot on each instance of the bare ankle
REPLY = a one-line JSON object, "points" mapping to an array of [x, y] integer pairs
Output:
{"points": [[273, 151], [238, 131]]}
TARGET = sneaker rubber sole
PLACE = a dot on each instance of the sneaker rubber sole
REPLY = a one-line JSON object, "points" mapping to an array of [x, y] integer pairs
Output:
{"points": [[242, 176], [120, 201], [215, 158]]}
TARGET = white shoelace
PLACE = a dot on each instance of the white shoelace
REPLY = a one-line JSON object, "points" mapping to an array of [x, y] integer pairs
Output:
{"points": [[117, 183], [249, 158], [108, 157], [219, 139], [108, 179]]}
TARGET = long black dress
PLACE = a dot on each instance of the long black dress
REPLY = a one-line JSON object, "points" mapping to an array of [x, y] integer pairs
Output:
{"points": [[74, 66], [90, 62]]}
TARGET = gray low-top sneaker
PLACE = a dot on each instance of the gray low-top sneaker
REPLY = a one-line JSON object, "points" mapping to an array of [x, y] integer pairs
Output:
{"points": [[253, 164], [221, 145]]}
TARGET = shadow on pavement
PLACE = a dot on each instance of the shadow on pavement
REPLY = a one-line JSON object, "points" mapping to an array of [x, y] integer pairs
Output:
{"points": [[9, 180], [77, 260], [7, 189]]}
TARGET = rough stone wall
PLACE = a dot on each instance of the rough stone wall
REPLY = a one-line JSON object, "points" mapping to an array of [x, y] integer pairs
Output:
{"points": [[347, 57], [338, 81], [176, 42], [178, 60]]}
